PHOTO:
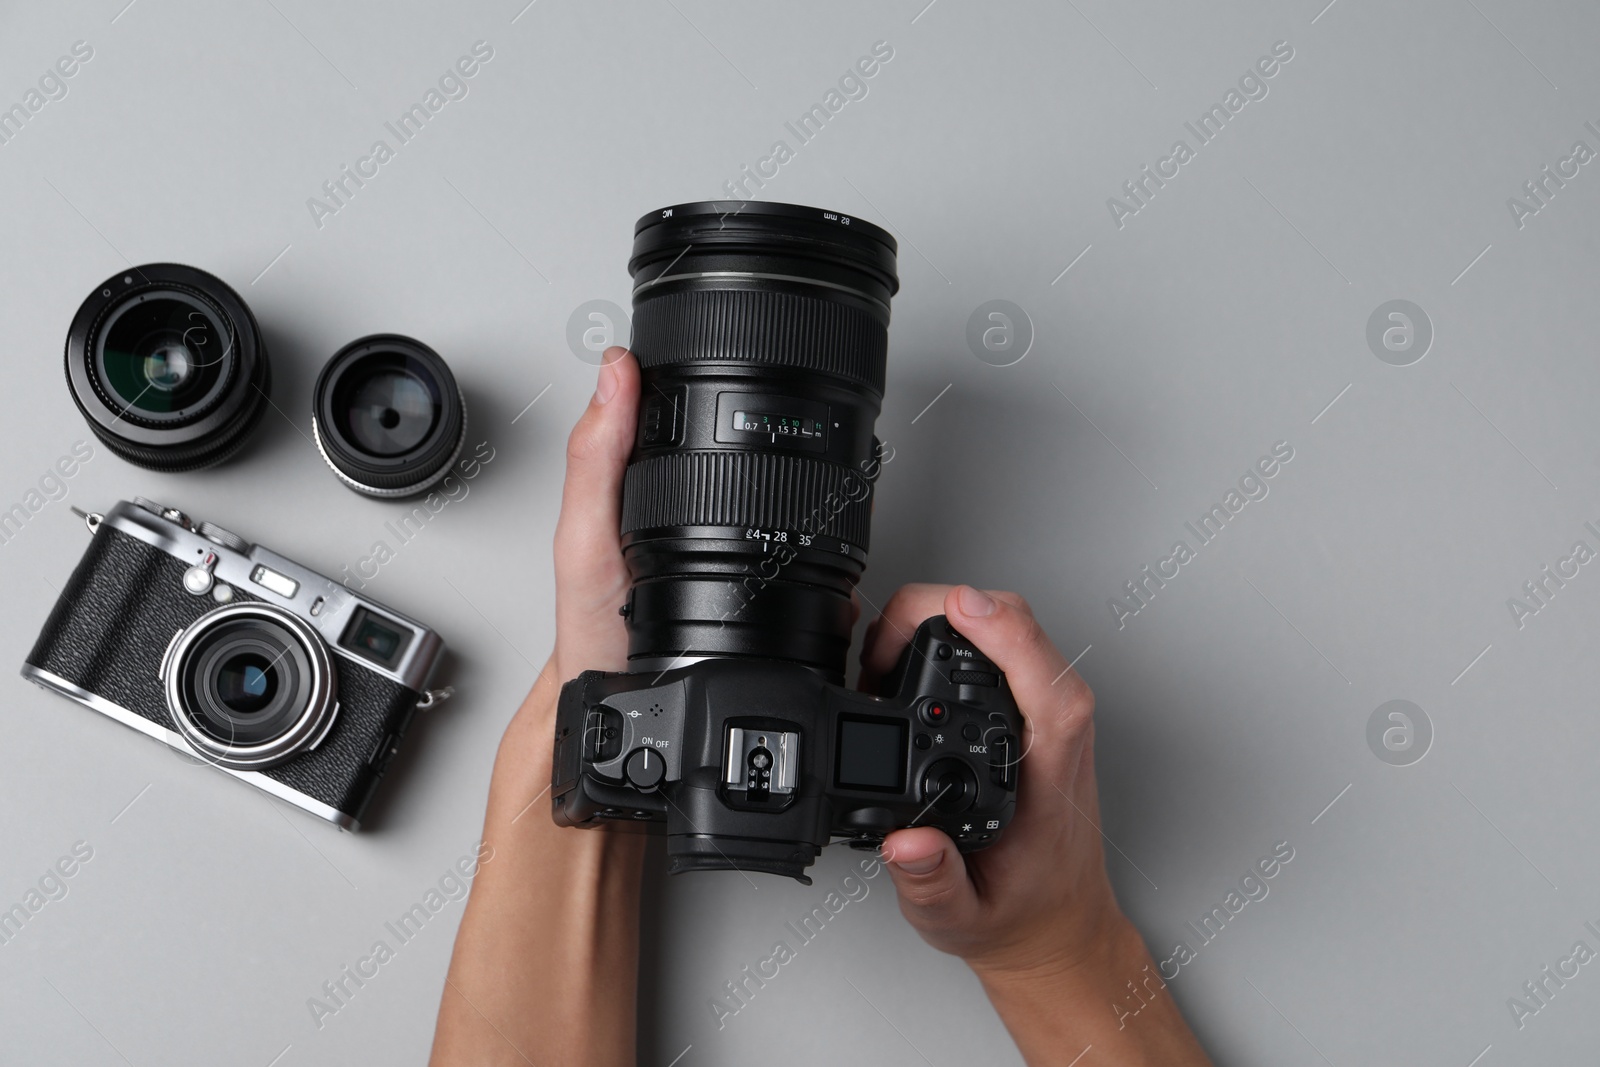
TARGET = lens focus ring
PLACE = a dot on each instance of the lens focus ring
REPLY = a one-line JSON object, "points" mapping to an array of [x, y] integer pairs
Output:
{"points": [[769, 327]]}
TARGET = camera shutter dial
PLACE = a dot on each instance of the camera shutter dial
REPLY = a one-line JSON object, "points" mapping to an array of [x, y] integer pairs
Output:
{"points": [[226, 538]]}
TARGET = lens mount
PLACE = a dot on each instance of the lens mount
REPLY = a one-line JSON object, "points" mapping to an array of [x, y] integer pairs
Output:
{"points": [[168, 366], [250, 686], [388, 416]]}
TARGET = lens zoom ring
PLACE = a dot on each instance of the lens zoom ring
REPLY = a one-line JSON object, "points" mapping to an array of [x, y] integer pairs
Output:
{"points": [[747, 489], [775, 328]]}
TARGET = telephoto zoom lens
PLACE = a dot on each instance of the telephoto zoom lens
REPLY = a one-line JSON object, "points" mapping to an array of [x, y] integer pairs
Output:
{"points": [[388, 417], [762, 334], [168, 366]]}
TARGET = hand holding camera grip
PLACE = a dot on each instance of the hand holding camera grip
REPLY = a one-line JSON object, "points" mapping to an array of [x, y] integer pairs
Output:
{"points": [[965, 736]]}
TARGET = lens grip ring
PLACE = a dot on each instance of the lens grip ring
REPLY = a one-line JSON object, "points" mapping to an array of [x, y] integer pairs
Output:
{"points": [[773, 491]]}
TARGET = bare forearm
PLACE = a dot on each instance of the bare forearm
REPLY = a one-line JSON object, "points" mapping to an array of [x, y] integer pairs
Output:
{"points": [[1114, 1009], [545, 964]]}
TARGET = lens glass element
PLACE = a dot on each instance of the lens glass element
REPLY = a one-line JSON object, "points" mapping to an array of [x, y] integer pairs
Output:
{"points": [[163, 353], [246, 683], [391, 409]]}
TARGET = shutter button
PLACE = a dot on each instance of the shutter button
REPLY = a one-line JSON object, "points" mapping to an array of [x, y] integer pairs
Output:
{"points": [[198, 579]]}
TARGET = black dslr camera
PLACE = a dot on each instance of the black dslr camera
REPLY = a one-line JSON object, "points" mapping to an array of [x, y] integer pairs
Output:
{"points": [[229, 652], [762, 333], [756, 765]]}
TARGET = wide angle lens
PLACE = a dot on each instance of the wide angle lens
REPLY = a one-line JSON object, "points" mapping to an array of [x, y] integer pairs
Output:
{"points": [[762, 334], [168, 366], [388, 416]]}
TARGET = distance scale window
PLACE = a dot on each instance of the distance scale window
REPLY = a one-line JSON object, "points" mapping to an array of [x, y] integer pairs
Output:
{"points": [[755, 418]]}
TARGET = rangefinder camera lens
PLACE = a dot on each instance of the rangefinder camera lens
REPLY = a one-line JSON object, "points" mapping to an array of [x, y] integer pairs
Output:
{"points": [[250, 686], [168, 366], [388, 417], [762, 335]]}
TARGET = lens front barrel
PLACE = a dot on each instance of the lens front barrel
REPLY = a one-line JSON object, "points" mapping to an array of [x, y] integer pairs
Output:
{"points": [[762, 334]]}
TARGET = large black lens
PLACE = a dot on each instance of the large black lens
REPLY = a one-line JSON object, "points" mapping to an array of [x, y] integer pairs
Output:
{"points": [[762, 331], [168, 366], [388, 416]]}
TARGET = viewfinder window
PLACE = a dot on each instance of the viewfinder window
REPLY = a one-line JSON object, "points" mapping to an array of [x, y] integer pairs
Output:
{"points": [[376, 638]]}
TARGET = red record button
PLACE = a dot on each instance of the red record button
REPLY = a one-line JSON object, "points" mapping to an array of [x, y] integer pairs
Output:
{"points": [[935, 713]]}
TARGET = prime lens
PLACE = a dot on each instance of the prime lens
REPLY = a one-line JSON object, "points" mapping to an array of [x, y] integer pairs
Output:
{"points": [[168, 366], [250, 686], [762, 335], [387, 416]]}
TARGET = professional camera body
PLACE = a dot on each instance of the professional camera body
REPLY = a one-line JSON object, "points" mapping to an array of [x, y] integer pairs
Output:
{"points": [[231, 653], [770, 760], [761, 332]]}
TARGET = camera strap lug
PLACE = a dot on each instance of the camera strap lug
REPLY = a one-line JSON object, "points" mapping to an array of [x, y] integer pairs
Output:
{"points": [[432, 698], [91, 519]]}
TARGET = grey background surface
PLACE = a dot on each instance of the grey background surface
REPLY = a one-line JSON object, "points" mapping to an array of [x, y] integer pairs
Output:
{"points": [[1229, 313]]}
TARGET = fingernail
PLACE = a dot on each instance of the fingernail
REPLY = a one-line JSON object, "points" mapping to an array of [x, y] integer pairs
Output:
{"points": [[925, 865], [606, 386], [974, 603]]}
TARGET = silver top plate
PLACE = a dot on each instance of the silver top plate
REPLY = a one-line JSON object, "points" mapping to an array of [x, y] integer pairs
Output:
{"points": [[236, 568]]}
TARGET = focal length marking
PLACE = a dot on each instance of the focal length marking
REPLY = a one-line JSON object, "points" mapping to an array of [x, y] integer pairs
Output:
{"points": [[796, 539]]}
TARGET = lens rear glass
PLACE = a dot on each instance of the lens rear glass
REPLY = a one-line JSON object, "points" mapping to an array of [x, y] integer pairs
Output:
{"points": [[390, 404]]}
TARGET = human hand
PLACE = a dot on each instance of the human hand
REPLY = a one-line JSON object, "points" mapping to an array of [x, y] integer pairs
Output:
{"points": [[1033, 915], [591, 580], [546, 957], [1038, 901]]}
